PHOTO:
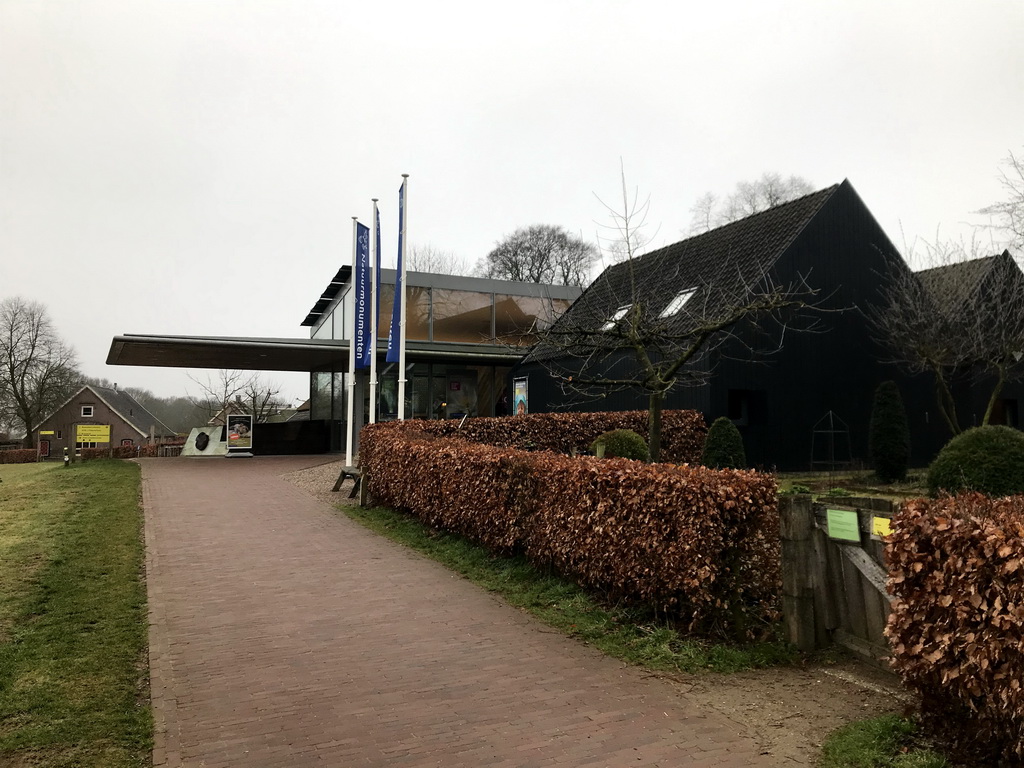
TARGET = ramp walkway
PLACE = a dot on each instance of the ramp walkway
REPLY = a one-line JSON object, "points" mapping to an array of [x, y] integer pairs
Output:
{"points": [[283, 634]]}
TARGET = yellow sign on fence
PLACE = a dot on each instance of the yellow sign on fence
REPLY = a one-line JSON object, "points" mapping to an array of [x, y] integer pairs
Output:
{"points": [[92, 433]]}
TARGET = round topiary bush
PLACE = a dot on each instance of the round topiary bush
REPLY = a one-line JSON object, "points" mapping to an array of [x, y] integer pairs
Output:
{"points": [[986, 459], [622, 444], [889, 434], [723, 448]]}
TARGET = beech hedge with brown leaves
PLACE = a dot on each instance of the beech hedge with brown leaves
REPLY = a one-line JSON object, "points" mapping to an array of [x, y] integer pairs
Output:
{"points": [[957, 623], [696, 544], [682, 432], [19, 456]]}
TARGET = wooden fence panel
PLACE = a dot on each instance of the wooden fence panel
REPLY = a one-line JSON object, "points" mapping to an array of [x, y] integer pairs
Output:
{"points": [[833, 590]]}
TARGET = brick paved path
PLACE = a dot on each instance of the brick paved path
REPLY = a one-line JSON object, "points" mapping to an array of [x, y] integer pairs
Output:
{"points": [[282, 634]]}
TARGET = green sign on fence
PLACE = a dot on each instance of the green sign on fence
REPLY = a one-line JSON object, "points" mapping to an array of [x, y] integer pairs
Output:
{"points": [[843, 525]]}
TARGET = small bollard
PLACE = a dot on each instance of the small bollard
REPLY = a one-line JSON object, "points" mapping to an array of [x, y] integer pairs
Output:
{"points": [[67, 458]]}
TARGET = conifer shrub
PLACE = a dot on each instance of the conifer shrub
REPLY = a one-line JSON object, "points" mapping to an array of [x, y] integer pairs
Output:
{"points": [[723, 448], [622, 444], [889, 434], [988, 459]]}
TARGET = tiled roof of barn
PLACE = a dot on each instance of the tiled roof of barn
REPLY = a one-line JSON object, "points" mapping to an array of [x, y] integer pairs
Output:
{"points": [[726, 258], [954, 285], [131, 410]]}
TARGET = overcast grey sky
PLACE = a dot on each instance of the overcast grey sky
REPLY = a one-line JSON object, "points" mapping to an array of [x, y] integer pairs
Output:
{"points": [[192, 166]]}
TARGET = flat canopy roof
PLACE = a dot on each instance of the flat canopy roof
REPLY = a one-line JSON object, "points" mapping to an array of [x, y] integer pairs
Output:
{"points": [[283, 354]]}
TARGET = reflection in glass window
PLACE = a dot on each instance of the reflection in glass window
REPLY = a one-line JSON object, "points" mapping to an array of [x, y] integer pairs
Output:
{"points": [[420, 396], [517, 318], [319, 396], [384, 303], [388, 404], [417, 312], [340, 401], [462, 316]]}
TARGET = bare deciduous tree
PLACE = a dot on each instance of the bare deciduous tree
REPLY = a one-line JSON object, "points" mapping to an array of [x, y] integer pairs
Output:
{"points": [[236, 391], [38, 371], [1008, 215], [705, 214], [748, 198], [262, 398], [653, 342], [959, 319], [540, 254], [427, 258]]}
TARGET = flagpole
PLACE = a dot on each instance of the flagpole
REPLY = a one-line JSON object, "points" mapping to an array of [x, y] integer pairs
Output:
{"points": [[405, 293], [374, 266], [351, 316]]}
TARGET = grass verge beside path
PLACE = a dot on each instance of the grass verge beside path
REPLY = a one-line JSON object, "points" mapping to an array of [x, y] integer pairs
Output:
{"points": [[625, 634], [881, 742], [73, 673]]}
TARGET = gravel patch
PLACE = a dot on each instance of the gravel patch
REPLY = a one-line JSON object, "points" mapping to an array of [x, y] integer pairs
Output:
{"points": [[317, 482]]}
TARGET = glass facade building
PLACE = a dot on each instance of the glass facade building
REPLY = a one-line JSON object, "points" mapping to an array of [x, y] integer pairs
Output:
{"points": [[463, 335]]}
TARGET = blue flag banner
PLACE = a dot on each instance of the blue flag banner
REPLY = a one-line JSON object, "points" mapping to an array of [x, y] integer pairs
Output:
{"points": [[394, 335], [361, 296]]}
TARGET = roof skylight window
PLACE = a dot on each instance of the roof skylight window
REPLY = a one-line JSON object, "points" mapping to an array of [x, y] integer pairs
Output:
{"points": [[614, 319], [678, 302]]}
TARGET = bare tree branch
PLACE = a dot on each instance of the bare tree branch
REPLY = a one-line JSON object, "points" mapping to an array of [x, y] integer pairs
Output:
{"points": [[1008, 216], [245, 391], [38, 371], [427, 258], [959, 318]]}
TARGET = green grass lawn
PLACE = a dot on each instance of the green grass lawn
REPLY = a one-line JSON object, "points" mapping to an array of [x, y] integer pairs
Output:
{"points": [[881, 742], [856, 483], [73, 668]]}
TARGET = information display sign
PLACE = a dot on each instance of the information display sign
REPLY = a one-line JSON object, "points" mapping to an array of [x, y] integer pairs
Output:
{"points": [[92, 433], [843, 525]]}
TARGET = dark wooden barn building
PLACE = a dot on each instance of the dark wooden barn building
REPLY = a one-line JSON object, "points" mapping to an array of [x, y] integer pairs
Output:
{"points": [[798, 384]]}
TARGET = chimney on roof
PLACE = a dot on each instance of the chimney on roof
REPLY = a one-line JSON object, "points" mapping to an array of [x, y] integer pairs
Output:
{"points": [[115, 386], [238, 399]]}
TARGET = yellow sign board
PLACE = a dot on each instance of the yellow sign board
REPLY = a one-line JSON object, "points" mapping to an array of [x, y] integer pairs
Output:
{"points": [[46, 432], [92, 433], [881, 526]]}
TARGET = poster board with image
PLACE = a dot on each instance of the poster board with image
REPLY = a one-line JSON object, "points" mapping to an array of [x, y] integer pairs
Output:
{"points": [[240, 431], [520, 396]]}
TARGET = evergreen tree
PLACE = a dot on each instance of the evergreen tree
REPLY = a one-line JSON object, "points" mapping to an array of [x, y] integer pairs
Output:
{"points": [[723, 448], [889, 436]]}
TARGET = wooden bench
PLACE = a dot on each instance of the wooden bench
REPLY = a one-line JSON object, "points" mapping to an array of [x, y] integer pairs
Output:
{"points": [[347, 473]]}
